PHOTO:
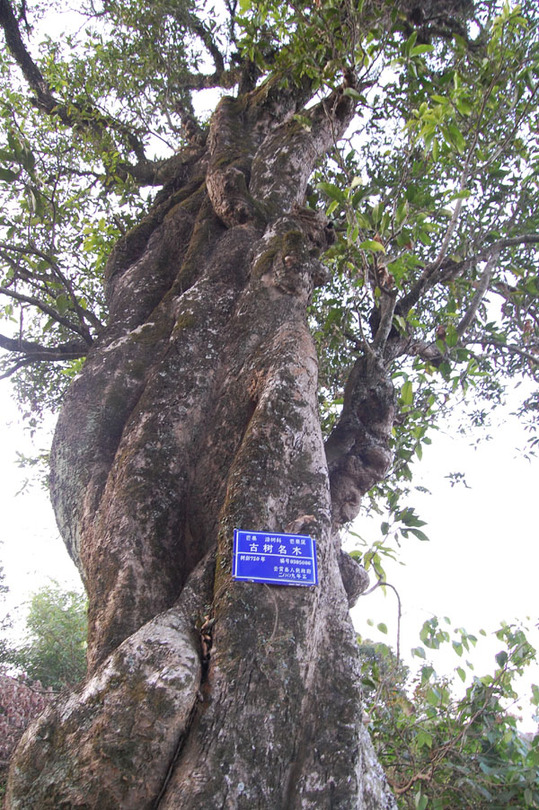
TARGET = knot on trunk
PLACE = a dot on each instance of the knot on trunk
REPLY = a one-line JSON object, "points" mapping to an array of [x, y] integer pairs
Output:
{"points": [[227, 189], [288, 256]]}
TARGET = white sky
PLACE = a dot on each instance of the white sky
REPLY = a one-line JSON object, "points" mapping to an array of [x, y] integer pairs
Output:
{"points": [[480, 567]]}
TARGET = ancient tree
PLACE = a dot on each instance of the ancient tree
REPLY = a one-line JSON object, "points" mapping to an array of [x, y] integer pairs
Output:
{"points": [[253, 322]]}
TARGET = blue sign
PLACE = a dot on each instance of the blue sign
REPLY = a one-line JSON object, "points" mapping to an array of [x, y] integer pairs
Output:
{"points": [[278, 559]]}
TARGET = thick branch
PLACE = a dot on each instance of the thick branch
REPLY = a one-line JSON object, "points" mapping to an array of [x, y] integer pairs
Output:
{"points": [[31, 72], [159, 172], [357, 449], [36, 353], [388, 302], [85, 116], [204, 35], [226, 79], [285, 161]]}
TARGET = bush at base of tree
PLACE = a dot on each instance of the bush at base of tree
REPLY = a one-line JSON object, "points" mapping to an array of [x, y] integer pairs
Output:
{"points": [[442, 752]]}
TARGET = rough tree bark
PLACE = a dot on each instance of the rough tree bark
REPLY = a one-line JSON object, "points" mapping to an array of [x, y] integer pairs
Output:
{"points": [[195, 413]]}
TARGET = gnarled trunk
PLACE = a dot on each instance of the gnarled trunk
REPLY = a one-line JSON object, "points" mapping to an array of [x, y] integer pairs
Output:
{"points": [[196, 414]]}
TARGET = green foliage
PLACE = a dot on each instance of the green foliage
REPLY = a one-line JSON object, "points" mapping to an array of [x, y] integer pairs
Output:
{"points": [[428, 196], [437, 176], [54, 652], [445, 746]]}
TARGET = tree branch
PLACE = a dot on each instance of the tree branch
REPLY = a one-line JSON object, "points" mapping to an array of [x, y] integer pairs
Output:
{"points": [[481, 290], [206, 38], [87, 117], [451, 269], [35, 352], [227, 79], [30, 71], [50, 311], [510, 347], [387, 309], [85, 316], [358, 449]]}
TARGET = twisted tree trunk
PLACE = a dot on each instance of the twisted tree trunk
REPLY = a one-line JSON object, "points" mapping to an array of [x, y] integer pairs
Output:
{"points": [[195, 414]]}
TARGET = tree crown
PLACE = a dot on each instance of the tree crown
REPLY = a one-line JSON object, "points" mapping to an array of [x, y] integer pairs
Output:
{"points": [[432, 191]]}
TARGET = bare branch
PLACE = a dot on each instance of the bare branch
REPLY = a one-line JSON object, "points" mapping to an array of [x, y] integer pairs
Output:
{"points": [[510, 347], [481, 291], [451, 268], [431, 273]]}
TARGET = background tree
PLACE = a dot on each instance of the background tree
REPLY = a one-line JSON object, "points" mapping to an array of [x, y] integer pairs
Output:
{"points": [[53, 657], [54, 651], [199, 309]]}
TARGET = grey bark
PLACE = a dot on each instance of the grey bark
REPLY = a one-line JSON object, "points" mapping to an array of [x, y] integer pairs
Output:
{"points": [[196, 413]]}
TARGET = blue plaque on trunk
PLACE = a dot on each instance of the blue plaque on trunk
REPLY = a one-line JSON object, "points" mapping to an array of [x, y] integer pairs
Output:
{"points": [[278, 559]]}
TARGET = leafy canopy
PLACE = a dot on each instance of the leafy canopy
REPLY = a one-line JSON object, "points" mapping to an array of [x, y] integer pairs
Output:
{"points": [[433, 192]]}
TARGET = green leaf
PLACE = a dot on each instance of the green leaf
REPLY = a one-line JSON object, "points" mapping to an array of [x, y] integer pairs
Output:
{"points": [[373, 245], [382, 627], [8, 175], [423, 738], [433, 696], [420, 800], [351, 92], [420, 535], [455, 137], [332, 207], [418, 50], [464, 107], [407, 393], [332, 191]]}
